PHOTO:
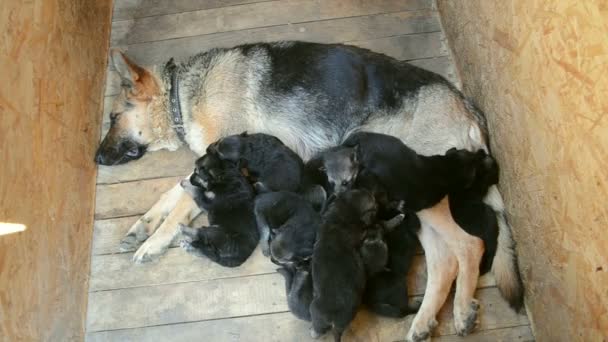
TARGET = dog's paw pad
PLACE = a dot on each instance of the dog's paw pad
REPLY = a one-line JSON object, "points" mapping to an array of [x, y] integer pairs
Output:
{"points": [[466, 323], [128, 243]]}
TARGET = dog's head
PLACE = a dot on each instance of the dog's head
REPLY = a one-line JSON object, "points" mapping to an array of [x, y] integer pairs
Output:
{"points": [[361, 203], [472, 170], [229, 148], [341, 167], [292, 245], [131, 131]]}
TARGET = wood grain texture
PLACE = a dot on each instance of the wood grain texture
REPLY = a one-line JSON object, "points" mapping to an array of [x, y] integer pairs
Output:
{"points": [[133, 9], [283, 326], [53, 63], [131, 198], [248, 16], [538, 69]]}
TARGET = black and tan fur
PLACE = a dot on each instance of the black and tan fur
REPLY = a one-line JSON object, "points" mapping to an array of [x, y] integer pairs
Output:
{"points": [[310, 96]]}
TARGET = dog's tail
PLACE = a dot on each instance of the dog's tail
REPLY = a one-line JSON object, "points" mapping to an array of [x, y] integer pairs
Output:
{"points": [[504, 265], [337, 334]]}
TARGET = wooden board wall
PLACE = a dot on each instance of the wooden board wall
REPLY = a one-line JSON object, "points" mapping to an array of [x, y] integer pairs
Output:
{"points": [[52, 67], [539, 69]]}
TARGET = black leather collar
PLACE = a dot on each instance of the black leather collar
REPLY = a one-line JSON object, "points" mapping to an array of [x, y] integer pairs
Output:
{"points": [[174, 105]]}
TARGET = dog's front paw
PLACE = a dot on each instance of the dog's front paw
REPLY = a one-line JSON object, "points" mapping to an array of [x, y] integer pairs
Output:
{"points": [[465, 320], [139, 232], [152, 249], [421, 332]]}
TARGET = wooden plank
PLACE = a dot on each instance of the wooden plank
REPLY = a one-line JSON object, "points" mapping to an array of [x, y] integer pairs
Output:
{"points": [[52, 68], [184, 302], [407, 47], [329, 31], [157, 164], [441, 65], [133, 9], [282, 326], [132, 198], [521, 333], [114, 271], [247, 16], [108, 233]]}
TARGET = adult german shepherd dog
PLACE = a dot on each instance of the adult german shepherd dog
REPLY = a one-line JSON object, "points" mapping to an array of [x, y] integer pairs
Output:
{"points": [[311, 96]]}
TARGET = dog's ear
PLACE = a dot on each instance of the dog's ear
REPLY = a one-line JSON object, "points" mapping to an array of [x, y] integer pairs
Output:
{"points": [[244, 134], [129, 72]]}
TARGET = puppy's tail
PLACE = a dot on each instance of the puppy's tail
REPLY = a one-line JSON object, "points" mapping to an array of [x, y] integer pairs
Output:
{"points": [[504, 265]]}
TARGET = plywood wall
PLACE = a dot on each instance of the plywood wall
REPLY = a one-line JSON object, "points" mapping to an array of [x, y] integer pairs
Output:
{"points": [[52, 63], [539, 69]]}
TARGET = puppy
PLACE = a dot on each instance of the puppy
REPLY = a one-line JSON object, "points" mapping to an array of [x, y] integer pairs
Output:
{"points": [[476, 217], [220, 188], [268, 160], [420, 181], [386, 292], [338, 271], [291, 220], [374, 250], [288, 226], [299, 288], [335, 169]]}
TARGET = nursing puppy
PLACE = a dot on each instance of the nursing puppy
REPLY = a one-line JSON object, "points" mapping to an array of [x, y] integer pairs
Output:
{"points": [[299, 288], [338, 271], [220, 188], [386, 292], [423, 182], [291, 221], [270, 163], [374, 249]]}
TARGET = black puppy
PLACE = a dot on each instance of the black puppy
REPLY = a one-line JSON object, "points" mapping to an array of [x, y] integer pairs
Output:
{"points": [[291, 220], [220, 188], [298, 286], [268, 160], [374, 249], [288, 228], [476, 217], [386, 291], [420, 181], [338, 271]]}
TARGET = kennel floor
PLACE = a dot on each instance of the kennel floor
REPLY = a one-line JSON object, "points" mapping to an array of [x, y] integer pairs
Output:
{"points": [[184, 298]]}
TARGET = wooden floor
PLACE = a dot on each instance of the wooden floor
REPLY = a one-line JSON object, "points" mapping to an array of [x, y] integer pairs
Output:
{"points": [[183, 298]]}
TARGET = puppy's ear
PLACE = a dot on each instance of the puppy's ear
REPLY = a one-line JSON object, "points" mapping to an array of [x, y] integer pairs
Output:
{"points": [[244, 134], [450, 151], [389, 225]]}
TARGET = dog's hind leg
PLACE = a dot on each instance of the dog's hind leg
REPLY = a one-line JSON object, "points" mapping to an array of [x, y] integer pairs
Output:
{"points": [[468, 250], [184, 211], [441, 266]]}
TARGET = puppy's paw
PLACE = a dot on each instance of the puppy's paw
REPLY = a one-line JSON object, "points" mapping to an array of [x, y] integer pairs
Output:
{"points": [[465, 321], [315, 334], [188, 233]]}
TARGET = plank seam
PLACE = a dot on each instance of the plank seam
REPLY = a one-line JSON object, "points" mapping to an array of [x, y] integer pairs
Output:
{"points": [[196, 10], [270, 26]]}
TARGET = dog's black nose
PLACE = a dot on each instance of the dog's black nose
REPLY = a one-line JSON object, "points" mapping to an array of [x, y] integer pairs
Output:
{"points": [[99, 158]]}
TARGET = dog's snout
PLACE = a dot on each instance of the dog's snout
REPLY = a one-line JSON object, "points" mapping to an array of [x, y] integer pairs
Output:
{"points": [[99, 159]]}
